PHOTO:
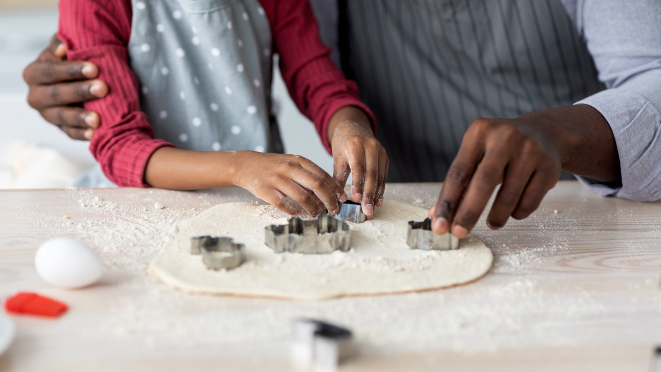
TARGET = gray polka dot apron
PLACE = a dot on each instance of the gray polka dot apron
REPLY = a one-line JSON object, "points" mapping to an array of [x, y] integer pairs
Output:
{"points": [[204, 69]]}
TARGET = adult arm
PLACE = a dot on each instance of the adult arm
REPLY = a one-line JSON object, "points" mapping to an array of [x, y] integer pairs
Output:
{"points": [[610, 140], [58, 87]]}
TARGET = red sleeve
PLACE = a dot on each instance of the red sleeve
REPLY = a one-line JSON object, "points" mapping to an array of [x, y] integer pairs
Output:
{"points": [[98, 31], [317, 87]]}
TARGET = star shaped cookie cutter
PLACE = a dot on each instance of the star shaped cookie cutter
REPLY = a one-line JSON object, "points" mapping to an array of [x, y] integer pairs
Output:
{"points": [[218, 252], [351, 211], [322, 235], [420, 236]]}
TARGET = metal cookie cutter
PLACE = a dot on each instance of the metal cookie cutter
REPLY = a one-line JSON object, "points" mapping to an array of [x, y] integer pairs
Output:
{"points": [[351, 211], [218, 252], [323, 235], [420, 236], [323, 344]]}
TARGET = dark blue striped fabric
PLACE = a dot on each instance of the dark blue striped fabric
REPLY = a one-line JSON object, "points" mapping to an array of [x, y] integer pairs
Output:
{"points": [[428, 68]]}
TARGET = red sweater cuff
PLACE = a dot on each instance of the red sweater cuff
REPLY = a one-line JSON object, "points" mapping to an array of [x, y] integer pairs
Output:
{"points": [[129, 166]]}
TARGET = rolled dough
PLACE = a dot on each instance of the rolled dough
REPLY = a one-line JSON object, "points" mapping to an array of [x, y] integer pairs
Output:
{"points": [[379, 262]]}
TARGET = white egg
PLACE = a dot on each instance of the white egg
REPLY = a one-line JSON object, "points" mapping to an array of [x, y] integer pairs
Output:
{"points": [[68, 263]]}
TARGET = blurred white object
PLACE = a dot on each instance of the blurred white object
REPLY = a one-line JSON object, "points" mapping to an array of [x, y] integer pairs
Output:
{"points": [[38, 167], [68, 263], [7, 333]]}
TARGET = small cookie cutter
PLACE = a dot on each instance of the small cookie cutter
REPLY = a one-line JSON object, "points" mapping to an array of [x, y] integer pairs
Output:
{"points": [[351, 211], [323, 344], [322, 235], [420, 236], [218, 252]]}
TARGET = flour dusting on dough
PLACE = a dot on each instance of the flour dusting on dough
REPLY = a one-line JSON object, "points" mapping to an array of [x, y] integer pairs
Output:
{"points": [[379, 261]]}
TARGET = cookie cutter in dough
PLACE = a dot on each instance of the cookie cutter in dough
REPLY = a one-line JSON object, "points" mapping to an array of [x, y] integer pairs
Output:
{"points": [[420, 236], [322, 235], [218, 252], [323, 344], [351, 211]]}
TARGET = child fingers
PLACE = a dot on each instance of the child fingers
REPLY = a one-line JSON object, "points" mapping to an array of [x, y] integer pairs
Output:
{"points": [[341, 171], [301, 196], [282, 202], [383, 176], [317, 186], [371, 180], [316, 170], [358, 171]]}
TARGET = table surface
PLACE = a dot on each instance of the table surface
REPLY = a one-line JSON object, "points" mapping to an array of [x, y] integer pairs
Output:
{"points": [[575, 287]]}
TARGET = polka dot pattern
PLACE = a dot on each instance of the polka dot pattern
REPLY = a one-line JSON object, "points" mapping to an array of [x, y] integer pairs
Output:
{"points": [[214, 107], [195, 40], [236, 129], [239, 67], [251, 110], [197, 122], [140, 5], [259, 148], [182, 95], [180, 53], [160, 28], [215, 52], [183, 137], [216, 146], [165, 71], [145, 48], [163, 114], [177, 14]]}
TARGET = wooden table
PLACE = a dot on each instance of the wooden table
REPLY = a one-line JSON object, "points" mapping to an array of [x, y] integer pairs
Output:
{"points": [[572, 290]]}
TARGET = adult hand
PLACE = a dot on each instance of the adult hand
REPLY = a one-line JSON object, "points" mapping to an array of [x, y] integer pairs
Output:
{"points": [[515, 152], [291, 183], [357, 151], [58, 87]]}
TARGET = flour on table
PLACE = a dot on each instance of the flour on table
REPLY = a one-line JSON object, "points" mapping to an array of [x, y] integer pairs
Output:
{"points": [[378, 263]]}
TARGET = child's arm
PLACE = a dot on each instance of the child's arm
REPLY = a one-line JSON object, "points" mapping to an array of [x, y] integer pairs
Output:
{"points": [[124, 144], [322, 93], [289, 182]]}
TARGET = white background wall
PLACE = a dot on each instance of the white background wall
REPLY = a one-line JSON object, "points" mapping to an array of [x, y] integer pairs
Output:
{"points": [[23, 34]]}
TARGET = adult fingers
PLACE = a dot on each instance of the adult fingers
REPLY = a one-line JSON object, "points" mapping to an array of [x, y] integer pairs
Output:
{"points": [[317, 186], [45, 73], [371, 180], [457, 179], [539, 185], [71, 116], [78, 123], [313, 168], [81, 134], [487, 176], [64, 94], [517, 177]]}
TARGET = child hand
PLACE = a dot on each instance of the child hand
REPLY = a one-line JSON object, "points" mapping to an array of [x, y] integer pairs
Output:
{"points": [[291, 183], [357, 151]]}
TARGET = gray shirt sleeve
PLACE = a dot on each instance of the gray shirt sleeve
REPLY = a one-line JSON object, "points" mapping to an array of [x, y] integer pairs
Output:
{"points": [[624, 38]]}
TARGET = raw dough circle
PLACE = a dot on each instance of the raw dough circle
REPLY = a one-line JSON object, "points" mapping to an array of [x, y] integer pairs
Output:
{"points": [[379, 262]]}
